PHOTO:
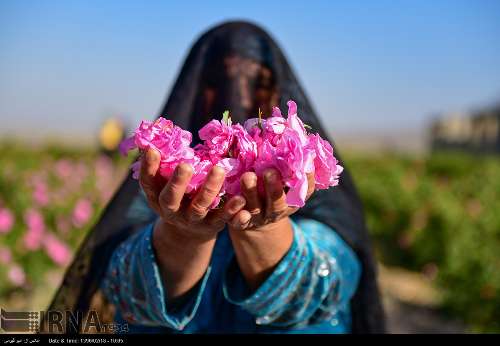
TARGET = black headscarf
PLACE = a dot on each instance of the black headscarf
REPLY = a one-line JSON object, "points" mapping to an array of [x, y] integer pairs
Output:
{"points": [[235, 66]]}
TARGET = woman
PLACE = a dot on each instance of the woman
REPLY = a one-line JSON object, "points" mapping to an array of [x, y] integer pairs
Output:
{"points": [[255, 265]]}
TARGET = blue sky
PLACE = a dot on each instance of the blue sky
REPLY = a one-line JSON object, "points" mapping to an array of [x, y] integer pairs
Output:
{"points": [[368, 65]]}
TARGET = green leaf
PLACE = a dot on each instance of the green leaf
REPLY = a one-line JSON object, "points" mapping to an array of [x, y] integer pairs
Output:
{"points": [[226, 118]]}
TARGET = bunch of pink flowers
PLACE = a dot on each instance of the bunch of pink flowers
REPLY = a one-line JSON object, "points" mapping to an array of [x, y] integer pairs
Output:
{"points": [[258, 144]]}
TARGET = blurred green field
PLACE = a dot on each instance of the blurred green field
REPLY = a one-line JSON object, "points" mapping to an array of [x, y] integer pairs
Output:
{"points": [[52, 196], [438, 215]]}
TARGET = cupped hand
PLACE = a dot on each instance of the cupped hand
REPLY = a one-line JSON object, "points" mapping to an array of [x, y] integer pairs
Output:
{"points": [[266, 211], [190, 217]]}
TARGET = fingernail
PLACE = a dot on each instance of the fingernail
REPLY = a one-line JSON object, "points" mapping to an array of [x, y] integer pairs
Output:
{"points": [[240, 202], [271, 176], [150, 156], [218, 170], [245, 219], [251, 180], [182, 169]]}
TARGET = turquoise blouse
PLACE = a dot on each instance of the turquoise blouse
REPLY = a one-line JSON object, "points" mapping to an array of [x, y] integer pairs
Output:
{"points": [[308, 292]]}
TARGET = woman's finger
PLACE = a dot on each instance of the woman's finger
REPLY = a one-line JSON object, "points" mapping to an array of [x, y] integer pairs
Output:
{"points": [[311, 182], [241, 220], [204, 198], [276, 205], [172, 194], [232, 207], [148, 178], [249, 190], [224, 215]]}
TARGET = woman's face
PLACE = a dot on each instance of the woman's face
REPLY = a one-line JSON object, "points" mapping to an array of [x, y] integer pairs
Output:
{"points": [[246, 84]]}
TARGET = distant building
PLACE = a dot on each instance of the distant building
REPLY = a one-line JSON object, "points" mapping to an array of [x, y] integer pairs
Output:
{"points": [[476, 131]]}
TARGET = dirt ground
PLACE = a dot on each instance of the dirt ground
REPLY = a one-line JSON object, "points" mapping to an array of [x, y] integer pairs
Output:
{"points": [[410, 303]]}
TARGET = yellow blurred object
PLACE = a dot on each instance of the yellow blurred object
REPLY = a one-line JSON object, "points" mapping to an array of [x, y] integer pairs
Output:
{"points": [[111, 134]]}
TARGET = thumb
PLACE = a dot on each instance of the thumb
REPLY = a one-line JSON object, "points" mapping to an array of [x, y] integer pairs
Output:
{"points": [[148, 178]]}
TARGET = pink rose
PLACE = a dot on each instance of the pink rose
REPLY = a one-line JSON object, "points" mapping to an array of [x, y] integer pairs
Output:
{"points": [[232, 168], [200, 172], [16, 275], [217, 137], [171, 142], [82, 212], [40, 193], [36, 229], [244, 147], [6, 220], [63, 169], [273, 128], [58, 251], [283, 147], [127, 145], [274, 142], [152, 134], [290, 162], [242, 155], [326, 167]]}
